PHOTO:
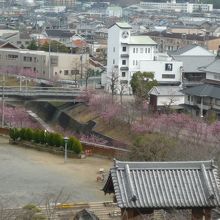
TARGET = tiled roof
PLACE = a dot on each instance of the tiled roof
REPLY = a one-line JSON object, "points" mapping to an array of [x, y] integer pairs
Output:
{"points": [[213, 67], [59, 33], [193, 37], [192, 64], [164, 184], [204, 90], [183, 50]]}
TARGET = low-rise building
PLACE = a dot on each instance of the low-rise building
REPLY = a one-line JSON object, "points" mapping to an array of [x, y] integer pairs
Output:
{"points": [[193, 57], [44, 64], [173, 41], [202, 98]]}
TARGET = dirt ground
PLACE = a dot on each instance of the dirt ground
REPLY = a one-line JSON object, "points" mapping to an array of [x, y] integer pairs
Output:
{"points": [[28, 175]]}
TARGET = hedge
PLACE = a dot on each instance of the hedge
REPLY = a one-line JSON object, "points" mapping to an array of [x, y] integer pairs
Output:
{"points": [[49, 139]]}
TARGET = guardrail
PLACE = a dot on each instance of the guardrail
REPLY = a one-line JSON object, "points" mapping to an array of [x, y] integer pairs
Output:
{"points": [[39, 91]]}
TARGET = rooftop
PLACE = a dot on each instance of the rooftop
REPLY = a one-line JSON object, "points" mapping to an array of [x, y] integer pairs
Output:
{"points": [[123, 25], [182, 184], [204, 90], [143, 40], [181, 36]]}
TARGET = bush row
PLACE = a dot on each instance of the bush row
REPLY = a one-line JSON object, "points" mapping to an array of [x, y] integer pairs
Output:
{"points": [[46, 138]]}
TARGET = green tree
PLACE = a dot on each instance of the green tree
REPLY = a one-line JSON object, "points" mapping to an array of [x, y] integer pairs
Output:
{"points": [[141, 84], [55, 46], [152, 147], [74, 145], [32, 45], [14, 134]]}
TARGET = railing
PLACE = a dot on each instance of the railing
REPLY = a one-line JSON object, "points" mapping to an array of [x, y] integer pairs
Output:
{"points": [[39, 91]]}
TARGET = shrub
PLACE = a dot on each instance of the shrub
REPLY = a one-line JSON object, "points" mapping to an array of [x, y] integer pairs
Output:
{"points": [[36, 136], [57, 139], [49, 139], [28, 135], [42, 136], [32, 207], [14, 134], [22, 133], [74, 145]]}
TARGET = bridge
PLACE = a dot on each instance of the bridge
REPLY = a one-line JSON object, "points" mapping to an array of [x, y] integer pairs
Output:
{"points": [[40, 94]]}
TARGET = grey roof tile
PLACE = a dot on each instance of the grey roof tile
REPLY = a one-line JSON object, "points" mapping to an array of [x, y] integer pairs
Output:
{"points": [[164, 184], [192, 64], [213, 67], [204, 90]]}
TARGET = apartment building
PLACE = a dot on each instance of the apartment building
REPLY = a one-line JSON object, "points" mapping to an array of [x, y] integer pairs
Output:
{"points": [[128, 54], [67, 3], [177, 7], [45, 65], [173, 41]]}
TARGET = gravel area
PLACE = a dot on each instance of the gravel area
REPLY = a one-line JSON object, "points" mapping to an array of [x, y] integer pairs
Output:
{"points": [[28, 175]]}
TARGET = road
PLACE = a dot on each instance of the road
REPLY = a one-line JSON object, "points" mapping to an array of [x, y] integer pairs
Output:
{"points": [[28, 175]]}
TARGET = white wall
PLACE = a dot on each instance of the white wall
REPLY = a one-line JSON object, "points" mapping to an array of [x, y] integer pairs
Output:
{"points": [[158, 68], [213, 76], [165, 100]]}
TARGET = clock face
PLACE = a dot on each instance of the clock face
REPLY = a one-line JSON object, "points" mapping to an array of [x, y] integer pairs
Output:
{"points": [[125, 34]]}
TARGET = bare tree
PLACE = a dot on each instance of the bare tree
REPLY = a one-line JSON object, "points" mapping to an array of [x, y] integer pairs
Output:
{"points": [[122, 88], [114, 80], [53, 201]]}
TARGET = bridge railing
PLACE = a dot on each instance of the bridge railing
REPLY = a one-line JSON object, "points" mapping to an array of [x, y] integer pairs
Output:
{"points": [[39, 91]]}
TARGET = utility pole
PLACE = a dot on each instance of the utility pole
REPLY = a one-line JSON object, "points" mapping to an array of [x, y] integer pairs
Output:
{"points": [[49, 63], [3, 100], [81, 74]]}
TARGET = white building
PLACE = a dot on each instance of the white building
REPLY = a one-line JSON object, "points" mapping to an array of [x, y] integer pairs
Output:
{"points": [[128, 54], [114, 11], [177, 7]]}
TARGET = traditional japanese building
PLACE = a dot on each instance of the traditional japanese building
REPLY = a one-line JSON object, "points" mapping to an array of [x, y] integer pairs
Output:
{"points": [[140, 188]]}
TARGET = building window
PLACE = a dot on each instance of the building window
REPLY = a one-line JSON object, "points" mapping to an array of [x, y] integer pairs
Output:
{"points": [[12, 56], [123, 74], [141, 50], [123, 62], [136, 62], [133, 62], [54, 60], [124, 49], [113, 61], [74, 72], [148, 50], [136, 50], [145, 50], [168, 67], [168, 76], [60, 71], [188, 98], [113, 49], [66, 72], [28, 59], [217, 102], [133, 50]]}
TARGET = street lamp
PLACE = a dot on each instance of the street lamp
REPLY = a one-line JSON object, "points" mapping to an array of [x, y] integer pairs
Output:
{"points": [[65, 148]]}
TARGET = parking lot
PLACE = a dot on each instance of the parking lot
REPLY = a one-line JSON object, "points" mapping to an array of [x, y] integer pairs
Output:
{"points": [[28, 175]]}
